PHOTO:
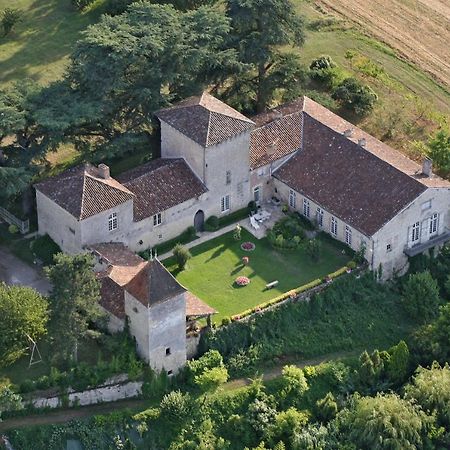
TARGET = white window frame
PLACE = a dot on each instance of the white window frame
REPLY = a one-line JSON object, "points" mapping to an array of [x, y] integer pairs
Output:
{"points": [[292, 198], [333, 226], [225, 203], [306, 207], [319, 216], [157, 219], [388, 248], [415, 232], [433, 225], [348, 235], [228, 177], [113, 222]]}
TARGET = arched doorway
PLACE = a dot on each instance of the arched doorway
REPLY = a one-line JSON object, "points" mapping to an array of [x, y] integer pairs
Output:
{"points": [[199, 220]]}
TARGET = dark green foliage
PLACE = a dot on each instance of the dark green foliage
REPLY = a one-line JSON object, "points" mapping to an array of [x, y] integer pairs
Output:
{"points": [[350, 313], [371, 371], [293, 386], [398, 366], [355, 96], [176, 407], [286, 233], [326, 408], [182, 255], [10, 17], [212, 223], [82, 4], [258, 27], [45, 248], [313, 248], [421, 296]]}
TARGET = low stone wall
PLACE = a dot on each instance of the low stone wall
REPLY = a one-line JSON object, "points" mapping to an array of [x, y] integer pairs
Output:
{"points": [[116, 388]]}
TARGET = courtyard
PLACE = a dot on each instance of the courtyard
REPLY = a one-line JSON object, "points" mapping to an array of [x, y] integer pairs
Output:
{"points": [[211, 272]]}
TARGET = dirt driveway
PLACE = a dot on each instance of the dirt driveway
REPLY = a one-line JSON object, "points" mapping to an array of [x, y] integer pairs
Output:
{"points": [[15, 271]]}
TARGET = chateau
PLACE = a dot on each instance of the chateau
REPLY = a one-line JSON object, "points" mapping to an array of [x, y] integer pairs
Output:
{"points": [[214, 161]]}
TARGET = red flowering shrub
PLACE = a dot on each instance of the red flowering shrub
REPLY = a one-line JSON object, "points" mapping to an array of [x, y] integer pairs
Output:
{"points": [[248, 246], [242, 281]]}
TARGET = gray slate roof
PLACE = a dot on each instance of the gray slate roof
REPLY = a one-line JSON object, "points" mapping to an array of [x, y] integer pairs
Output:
{"points": [[205, 119]]}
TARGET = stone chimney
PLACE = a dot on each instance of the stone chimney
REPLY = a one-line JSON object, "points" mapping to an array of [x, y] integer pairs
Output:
{"points": [[348, 132], [362, 142], [103, 171], [427, 167]]}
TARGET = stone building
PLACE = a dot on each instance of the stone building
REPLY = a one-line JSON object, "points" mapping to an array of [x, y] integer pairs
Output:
{"points": [[215, 160]]}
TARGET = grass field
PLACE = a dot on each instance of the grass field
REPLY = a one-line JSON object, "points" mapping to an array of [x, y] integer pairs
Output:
{"points": [[39, 47], [215, 265]]}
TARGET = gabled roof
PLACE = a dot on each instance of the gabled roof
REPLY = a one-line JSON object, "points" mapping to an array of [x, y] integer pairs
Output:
{"points": [[278, 134], [346, 179], [196, 308], [83, 192], [160, 184], [205, 119], [154, 284], [373, 145]]}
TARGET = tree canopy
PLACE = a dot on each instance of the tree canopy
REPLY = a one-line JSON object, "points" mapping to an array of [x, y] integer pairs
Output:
{"points": [[24, 314], [74, 300]]}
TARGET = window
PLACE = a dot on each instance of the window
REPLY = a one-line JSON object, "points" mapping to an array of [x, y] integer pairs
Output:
{"points": [[426, 205], [348, 235], [168, 352], [292, 199], [225, 203], [415, 232], [170, 372], [112, 222], [157, 219], [388, 248], [228, 177], [257, 194], [333, 226], [319, 217], [434, 224], [305, 207]]}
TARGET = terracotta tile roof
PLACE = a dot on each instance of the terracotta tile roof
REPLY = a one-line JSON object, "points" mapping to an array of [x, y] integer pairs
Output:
{"points": [[196, 308], [83, 192], [112, 296], [161, 184], [344, 178], [278, 135], [154, 284], [373, 145], [205, 119]]}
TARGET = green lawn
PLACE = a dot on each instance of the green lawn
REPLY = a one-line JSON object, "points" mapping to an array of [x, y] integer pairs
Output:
{"points": [[211, 272], [39, 47]]}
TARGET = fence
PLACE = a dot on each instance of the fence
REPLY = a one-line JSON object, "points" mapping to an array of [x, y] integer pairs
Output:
{"points": [[22, 225]]}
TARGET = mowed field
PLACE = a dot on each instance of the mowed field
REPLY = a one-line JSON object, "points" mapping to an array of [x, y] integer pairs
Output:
{"points": [[418, 29]]}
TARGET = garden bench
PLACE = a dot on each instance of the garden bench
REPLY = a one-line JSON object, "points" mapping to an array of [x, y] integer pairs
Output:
{"points": [[271, 284]]}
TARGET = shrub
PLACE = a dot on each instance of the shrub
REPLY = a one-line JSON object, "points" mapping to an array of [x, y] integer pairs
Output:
{"points": [[294, 385], [182, 255], [212, 223], [421, 296], [176, 406], [211, 379], [326, 408], [191, 232], [82, 4], [10, 17], [13, 229], [45, 248], [242, 281], [313, 249], [251, 206], [355, 96], [398, 364]]}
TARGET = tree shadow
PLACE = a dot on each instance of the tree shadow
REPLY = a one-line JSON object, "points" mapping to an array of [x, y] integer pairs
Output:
{"points": [[217, 253]]}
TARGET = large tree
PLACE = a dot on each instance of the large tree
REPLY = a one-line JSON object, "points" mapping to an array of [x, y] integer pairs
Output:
{"points": [[259, 28], [127, 66], [24, 315], [74, 300]]}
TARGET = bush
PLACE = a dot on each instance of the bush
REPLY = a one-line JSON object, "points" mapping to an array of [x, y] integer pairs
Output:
{"points": [[115, 7], [176, 406], [313, 249], [10, 18], [82, 4], [13, 229], [212, 223], [421, 296], [355, 96], [326, 408], [45, 248], [182, 255]]}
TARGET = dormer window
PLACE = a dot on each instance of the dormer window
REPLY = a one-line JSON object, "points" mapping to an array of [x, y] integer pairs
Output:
{"points": [[113, 224]]}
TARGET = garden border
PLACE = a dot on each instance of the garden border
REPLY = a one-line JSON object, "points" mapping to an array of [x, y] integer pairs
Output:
{"points": [[293, 295]]}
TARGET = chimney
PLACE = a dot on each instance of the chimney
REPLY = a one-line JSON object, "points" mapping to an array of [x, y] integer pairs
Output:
{"points": [[348, 132], [103, 171], [427, 167], [362, 142]]}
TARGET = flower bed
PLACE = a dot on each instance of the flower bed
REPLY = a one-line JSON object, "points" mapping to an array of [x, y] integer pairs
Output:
{"points": [[242, 281], [248, 246]]}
